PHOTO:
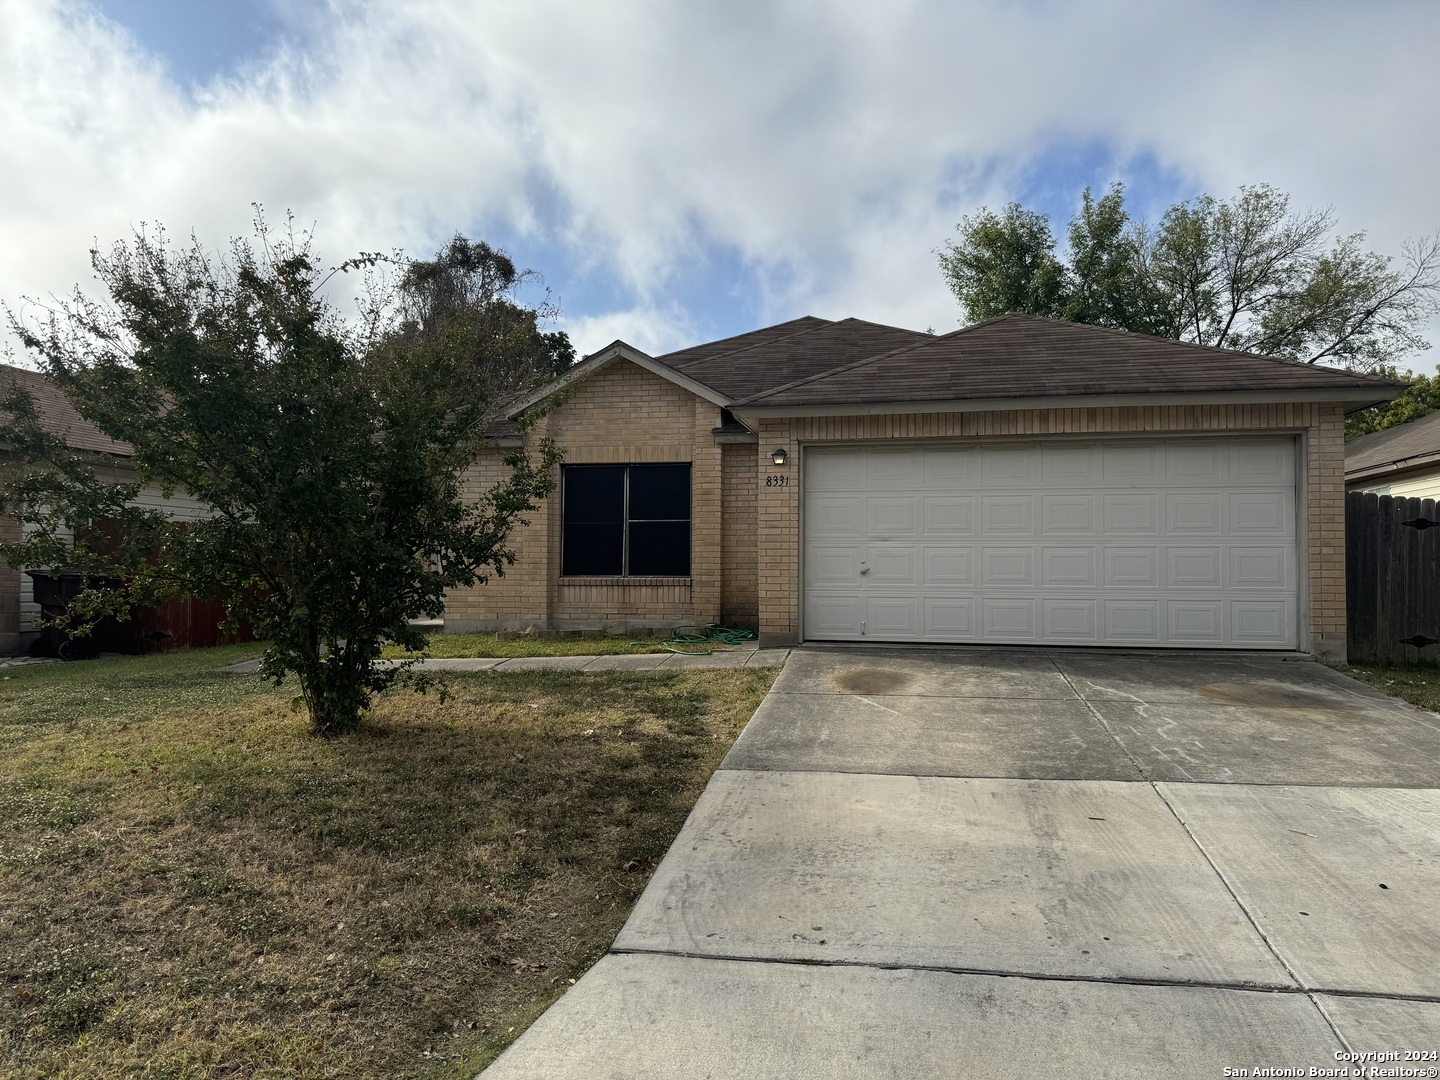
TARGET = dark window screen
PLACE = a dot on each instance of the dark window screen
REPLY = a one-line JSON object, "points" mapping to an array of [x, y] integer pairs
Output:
{"points": [[594, 520], [626, 519]]}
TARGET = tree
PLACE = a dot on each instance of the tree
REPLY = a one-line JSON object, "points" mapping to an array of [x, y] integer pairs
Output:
{"points": [[1244, 273], [1420, 398], [329, 452]]}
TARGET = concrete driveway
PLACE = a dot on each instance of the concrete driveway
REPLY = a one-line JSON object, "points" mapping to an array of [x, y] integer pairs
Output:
{"points": [[1034, 863]]}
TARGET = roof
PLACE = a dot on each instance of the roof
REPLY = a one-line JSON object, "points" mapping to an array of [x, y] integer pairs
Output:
{"points": [[1394, 449], [755, 363], [57, 415], [1025, 356]]}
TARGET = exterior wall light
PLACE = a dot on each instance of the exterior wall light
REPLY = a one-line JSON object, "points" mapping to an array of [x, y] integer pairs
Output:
{"points": [[779, 457]]}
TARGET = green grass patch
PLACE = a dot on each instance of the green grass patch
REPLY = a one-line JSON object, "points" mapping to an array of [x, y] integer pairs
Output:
{"points": [[448, 646], [1418, 684], [193, 886]]}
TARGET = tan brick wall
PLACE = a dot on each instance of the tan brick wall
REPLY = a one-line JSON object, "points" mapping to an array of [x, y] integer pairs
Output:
{"points": [[623, 415], [1322, 426], [739, 600]]}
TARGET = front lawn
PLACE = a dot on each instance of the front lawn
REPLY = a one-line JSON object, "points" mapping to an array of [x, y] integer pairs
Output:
{"points": [[445, 646], [1418, 684], [192, 886]]}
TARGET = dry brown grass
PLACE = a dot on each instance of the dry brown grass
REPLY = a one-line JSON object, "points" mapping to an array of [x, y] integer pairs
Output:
{"points": [[192, 886]]}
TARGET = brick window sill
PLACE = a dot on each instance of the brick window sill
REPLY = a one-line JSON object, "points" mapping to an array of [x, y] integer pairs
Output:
{"points": [[625, 580]]}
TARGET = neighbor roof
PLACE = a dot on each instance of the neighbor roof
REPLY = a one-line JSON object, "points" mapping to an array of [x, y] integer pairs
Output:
{"points": [[57, 415], [1394, 449], [1025, 356]]}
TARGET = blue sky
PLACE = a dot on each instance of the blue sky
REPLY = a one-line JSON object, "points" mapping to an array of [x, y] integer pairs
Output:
{"points": [[682, 172]]}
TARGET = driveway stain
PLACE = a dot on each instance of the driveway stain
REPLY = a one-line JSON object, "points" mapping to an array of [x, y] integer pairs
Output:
{"points": [[1268, 695], [871, 680]]}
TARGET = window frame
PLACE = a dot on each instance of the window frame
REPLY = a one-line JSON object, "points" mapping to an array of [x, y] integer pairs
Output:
{"points": [[566, 472]]}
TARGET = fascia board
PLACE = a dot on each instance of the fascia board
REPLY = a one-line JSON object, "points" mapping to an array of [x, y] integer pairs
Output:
{"points": [[1397, 467], [1355, 398], [603, 359]]}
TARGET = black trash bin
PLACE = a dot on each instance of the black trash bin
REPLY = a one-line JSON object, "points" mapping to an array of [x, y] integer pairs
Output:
{"points": [[53, 590]]}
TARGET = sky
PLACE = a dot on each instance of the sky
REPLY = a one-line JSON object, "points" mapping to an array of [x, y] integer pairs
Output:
{"points": [[678, 172]]}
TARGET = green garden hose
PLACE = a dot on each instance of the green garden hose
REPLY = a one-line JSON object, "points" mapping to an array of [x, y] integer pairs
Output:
{"points": [[691, 643]]}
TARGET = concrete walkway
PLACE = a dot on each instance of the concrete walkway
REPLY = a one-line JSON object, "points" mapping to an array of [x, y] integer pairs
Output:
{"points": [[732, 656], [1025, 863]]}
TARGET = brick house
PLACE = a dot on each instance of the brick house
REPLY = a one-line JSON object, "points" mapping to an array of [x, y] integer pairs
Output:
{"points": [[1021, 481]]}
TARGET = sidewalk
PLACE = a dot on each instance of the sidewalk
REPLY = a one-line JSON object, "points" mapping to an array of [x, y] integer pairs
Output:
{"points": [[725, 657]]}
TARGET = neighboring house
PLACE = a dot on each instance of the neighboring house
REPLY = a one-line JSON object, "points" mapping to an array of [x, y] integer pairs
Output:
{"points": [[18, 612], [1402, 460], [1022, 481]]}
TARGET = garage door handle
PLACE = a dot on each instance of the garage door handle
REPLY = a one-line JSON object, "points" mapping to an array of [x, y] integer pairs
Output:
{"points": [[864, 570]]}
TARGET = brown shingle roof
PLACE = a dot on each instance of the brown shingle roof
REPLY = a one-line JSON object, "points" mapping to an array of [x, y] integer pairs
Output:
{"points": [[682, 358], [57, 415], [1024, 356], [770, 360], [1406, 444]]}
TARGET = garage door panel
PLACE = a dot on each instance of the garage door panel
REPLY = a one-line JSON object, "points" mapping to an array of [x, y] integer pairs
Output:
{"points": [[1200, 465], [836, 515], [1151, 542], [892, 565], [1132, 515], [1071, 621], [1007, 515], [1067, 567], [1259, 568], [1008, 467], [1262, 513], [1133, 621], [950, 515], [951, 468], [1071, 466], [833, 616], [1260, 622], [951, 619], [1195, 567], [1007, 567], [1269, 462], [1196, 622], [1068, 515], [1132, 567], [949, 566], [892, 616], [1135, 465], [1008, 618], [892, 515], [1195, 513], [835, 470], [894, 469]]}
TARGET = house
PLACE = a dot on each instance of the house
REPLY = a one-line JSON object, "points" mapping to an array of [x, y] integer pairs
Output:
{"points": [[1021, 481], [19, 614], [1402, 460]]}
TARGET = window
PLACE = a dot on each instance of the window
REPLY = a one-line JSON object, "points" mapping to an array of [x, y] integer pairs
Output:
{"points": [[626, 520]]}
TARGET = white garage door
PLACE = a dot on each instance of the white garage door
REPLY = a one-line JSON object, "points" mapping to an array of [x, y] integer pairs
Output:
{"points": [[1179, 542]]}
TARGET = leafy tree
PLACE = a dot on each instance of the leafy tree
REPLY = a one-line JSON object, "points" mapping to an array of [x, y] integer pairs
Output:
{"points": [[1420, 398], [1244, 273], [330, 452], [1005, 262]]}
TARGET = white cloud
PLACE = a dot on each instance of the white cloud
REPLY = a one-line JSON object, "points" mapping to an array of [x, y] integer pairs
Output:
{"points": [[820, 141]]}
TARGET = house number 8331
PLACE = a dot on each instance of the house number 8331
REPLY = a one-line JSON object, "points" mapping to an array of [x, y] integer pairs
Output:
{"points": [[777, 481]]}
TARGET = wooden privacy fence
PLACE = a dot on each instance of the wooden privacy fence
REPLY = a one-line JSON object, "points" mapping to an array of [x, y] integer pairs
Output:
{"points": [[1392, 579]]}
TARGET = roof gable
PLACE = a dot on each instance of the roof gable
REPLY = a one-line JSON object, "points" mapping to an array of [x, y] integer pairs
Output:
{"points": [[1025, 356]]}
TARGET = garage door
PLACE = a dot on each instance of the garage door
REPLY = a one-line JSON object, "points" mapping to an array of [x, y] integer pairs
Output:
{"points": [[1183, 543]]}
